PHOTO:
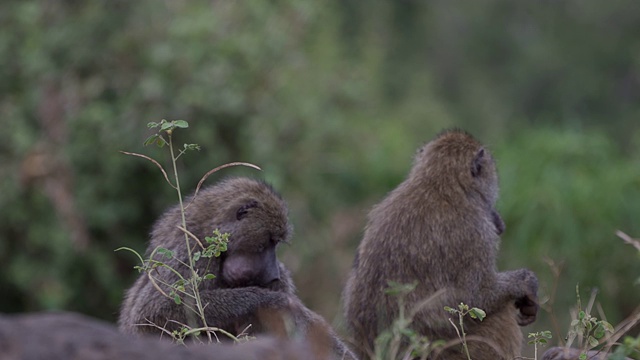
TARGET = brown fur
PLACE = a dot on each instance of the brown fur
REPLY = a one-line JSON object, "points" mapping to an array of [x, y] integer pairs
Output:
{"points": [[250, 282], [440, 228]]}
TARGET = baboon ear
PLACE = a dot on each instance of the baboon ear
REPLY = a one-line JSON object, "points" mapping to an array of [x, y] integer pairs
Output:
{"points": [[476, 164], [244, 209]]}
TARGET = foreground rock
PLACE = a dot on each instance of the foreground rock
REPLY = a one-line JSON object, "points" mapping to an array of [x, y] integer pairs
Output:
{"points": [[69, 336]]}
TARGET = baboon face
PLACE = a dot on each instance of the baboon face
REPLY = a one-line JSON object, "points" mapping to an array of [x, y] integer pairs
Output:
{"points": [[255, 234]]}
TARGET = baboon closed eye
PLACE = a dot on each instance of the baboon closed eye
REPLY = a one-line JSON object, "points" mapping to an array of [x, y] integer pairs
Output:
{"points": [[244, 209]]}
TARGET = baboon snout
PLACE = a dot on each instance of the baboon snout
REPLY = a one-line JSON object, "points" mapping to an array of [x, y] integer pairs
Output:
{"points": [[249, 270]]}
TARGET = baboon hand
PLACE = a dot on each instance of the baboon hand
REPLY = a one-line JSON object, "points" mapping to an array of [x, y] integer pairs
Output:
{"points": [[528, 303], [528, 307]]}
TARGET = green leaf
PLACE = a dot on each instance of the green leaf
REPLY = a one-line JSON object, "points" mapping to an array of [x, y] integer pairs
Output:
{"points": [[161, 141], [180, 124], [546, 334], [196, 256], [176, 299], [209, 277], [165, 252], [593, 342], [166, 126], [396, 288], [542, 341], [477, 313], [582, 357], [607, 326], [574, 323], [598, 333], [152, 125], [581, 315], [151, 139]]}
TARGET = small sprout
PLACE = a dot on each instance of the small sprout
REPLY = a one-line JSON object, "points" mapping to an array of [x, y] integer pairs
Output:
{"points": [[191, 147], [209, 277]]}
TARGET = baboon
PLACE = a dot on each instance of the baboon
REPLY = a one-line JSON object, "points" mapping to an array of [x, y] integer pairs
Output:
{"points": [[439, 228], [251, 286]]}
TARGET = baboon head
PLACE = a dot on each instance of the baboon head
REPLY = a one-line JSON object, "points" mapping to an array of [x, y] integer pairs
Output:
{"points": [[455, 159], [256, 217]]}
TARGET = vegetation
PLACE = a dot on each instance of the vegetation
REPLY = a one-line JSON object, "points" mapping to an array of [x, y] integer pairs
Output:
{"points": [[331, 99]]}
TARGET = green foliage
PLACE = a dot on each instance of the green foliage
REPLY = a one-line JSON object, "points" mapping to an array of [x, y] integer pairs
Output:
{"points": [[539, 338], [563, 195], [462, 311], [588, 329], [630, 347], [400, 341]]}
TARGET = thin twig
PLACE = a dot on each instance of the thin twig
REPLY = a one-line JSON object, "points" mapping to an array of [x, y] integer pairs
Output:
{"points": [[192, 236], [166, 177], [629, 240], [155, 285], [217, 169]]}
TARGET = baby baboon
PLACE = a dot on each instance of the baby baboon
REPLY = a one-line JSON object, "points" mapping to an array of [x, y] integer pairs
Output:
{"points": [[439, 228], [249, 281]]}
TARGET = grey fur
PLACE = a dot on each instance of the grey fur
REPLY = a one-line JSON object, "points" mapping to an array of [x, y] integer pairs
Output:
{"points": [[440, 228], [257, 219]]}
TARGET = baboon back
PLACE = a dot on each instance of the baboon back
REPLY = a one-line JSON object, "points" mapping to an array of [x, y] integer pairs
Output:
{"points": [[439, 229]]}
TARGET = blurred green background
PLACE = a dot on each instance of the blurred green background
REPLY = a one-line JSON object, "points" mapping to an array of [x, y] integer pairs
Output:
{"points": [[331, 98]]}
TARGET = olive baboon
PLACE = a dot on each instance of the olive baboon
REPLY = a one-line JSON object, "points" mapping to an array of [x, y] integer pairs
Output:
{"points": [[439, 228], [250, 284]]}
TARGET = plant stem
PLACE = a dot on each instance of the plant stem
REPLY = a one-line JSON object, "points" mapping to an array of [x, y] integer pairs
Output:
{"points": [[194, 275], [464, 335]]}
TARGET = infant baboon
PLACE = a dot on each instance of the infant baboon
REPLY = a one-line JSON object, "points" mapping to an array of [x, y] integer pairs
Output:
{"points": [[250, 284], [439, 228]]}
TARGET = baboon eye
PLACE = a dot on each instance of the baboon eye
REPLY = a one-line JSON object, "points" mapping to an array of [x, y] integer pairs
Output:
{"points": [[476, 164], [244, 209]]}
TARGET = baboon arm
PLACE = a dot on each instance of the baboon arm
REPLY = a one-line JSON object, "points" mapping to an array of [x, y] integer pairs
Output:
{"points": [[516, 284], [223, 305], [521, 289]]}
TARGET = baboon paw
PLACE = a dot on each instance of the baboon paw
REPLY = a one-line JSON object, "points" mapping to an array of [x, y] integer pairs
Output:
{"points": [[528, 309], [524, 320]]}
